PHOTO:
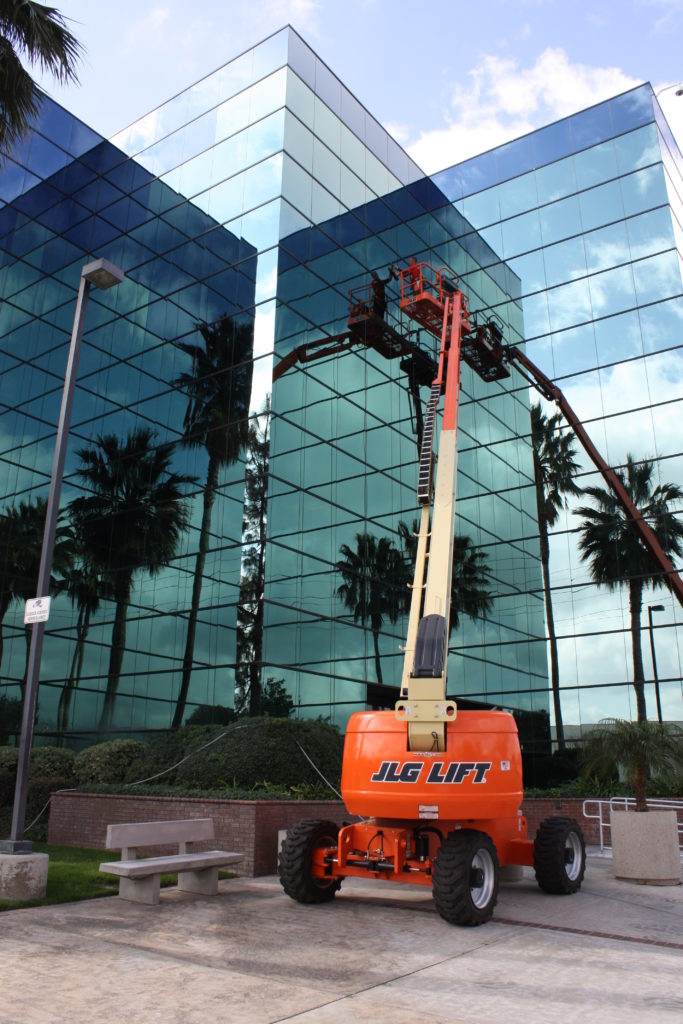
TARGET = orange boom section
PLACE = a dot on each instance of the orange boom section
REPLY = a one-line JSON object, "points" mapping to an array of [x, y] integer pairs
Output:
{"points": [[478, 775]]}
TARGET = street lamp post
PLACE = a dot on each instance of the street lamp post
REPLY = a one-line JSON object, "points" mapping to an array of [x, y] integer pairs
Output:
{"points": [[650, 609], [102, 274]]}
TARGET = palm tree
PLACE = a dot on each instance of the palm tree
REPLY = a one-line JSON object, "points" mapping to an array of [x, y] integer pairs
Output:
{"points": [[470, 581], [87, 585], [132, 521], [555, 467], [375, 578], [250, 609], [616, 554], [639, 749], [217, 419], [21, 540], [39, 35]]}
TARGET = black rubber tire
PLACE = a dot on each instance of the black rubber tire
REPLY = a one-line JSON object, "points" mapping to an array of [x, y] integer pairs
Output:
{"points": [[296, 858], [460, 896], [559, 856]]}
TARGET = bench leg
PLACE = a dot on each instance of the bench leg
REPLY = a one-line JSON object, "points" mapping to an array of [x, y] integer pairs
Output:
{"points": [[140, 890], [204, 881]]}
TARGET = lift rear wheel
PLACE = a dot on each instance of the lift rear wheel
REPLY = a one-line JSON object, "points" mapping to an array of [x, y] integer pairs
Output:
{"points": [[296, 860], [559, 856], [465, 880]]}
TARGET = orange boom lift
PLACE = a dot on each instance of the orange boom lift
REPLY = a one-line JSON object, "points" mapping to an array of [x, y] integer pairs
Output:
{"points": [[438, 790]]}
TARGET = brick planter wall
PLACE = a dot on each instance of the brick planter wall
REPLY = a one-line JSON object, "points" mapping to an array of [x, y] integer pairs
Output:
{"points": [[245, 826]]}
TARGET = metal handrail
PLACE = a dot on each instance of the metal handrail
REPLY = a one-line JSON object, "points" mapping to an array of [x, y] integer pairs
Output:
{"points": [[627, 803]]}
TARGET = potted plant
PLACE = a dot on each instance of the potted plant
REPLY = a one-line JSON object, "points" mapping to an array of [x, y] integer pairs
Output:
{"points": [[644, 844]]}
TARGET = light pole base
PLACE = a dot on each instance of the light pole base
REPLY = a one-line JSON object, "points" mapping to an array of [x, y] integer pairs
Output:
{"points": [[16, 846], [23, 876]]}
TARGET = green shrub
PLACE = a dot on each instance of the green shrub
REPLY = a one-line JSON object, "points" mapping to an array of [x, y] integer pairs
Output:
{"points": [[8, 772], [53, 762], [107, 762], [159, 754], [255, 751]]}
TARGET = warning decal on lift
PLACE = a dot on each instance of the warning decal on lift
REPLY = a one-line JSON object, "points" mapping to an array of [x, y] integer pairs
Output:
{"points": [[428, 811]]}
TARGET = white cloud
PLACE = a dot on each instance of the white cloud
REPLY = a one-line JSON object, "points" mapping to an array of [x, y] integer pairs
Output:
{"points": [[503, 101]]}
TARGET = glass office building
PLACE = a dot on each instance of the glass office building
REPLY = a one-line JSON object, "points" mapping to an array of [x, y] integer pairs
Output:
{"points": [[248, 214], [588, 213]]}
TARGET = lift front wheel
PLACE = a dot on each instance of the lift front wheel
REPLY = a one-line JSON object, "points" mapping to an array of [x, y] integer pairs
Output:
{"points": [[559, 856], [465, 881], [296, 860]]}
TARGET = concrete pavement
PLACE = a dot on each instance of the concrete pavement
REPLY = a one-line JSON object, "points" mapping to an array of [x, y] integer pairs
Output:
{"points": [[379, 952]]}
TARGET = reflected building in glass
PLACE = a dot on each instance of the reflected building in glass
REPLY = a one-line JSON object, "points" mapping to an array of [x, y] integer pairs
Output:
{"points": [[248, 215]]}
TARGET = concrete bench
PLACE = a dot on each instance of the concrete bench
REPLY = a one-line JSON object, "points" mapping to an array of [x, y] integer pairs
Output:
{"points": [[140, 878]]}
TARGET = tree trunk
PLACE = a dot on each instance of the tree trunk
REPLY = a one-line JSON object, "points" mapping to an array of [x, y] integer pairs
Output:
{"points": [[188, 657], [640, 787], [118, 646], [636, 601], [378, 667], [550, 620], [66, 695]]}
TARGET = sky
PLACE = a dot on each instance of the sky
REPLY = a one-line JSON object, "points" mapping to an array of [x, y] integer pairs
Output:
{"points": [[448, 79]]}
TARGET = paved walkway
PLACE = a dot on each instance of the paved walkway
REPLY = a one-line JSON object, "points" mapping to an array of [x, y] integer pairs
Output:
{"points": [[378, 953]]}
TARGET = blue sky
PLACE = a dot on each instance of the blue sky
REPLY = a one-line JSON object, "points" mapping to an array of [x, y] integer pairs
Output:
{"points": [[448, 78]]}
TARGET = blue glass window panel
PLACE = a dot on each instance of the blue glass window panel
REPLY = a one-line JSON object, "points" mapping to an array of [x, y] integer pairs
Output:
{"points": [[352, 113], [98, 194], [569, 304], [326, 126], [36, 200], [260, 227], [661, 325], [91, 235], [328, 87], [352, 152], [591, 127], [300, 99], [63, 215], [644, 190], [658, 277], [376, 138], [632, 109], [521, 234], [573, 350], [476, 174], [555, 181], [618, 338], [482, 208], [298, 141], [552, 143], [601, 205], [560, 220], [353, 192], [536, 320], [518, 195], [650, 233], [606, 247], [564, 262], [493, 236], [596, 165], [515, 158], [326, 168], [302, 58], [82, 138], [266, 137], [73, 177], [530, 270], [637, 149], [270, 54], [15, 180], [612, 291]]}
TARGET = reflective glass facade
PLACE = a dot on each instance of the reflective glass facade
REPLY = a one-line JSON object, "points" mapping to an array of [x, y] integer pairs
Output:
{"points": [[588, 212], [248, 213]]}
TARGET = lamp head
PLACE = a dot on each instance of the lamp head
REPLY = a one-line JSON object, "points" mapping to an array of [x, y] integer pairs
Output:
{"points": [[102, 274]]}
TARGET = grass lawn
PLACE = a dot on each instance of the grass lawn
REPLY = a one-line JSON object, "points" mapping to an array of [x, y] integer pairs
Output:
{"points": [[73, 875]]}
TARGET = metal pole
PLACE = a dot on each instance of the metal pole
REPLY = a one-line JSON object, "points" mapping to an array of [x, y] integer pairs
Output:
{"points": [[654, 663], [16, 842]]}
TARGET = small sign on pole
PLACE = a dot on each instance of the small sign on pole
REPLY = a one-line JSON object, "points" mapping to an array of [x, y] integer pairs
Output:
{"points": [[37, 610]]}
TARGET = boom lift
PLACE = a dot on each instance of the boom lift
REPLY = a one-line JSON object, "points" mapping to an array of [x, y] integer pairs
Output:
{"points": [[438, 790]]}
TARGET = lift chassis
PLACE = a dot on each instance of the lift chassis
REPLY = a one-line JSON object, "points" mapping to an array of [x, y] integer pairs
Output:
{"points": [[439, 791]]}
